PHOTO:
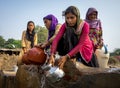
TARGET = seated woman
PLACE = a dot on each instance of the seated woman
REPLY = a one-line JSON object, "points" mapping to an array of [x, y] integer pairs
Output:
{"points": [[72, 41]]}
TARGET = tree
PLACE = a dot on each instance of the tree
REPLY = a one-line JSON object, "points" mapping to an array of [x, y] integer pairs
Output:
{"points": [[12, 43], [17, 43], [117, 51], [2, 42], [42, 34]]}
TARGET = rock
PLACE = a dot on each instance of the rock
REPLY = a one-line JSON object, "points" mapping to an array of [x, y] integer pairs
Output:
{"points": [[31, 76], [28, 76], [100, 80]]}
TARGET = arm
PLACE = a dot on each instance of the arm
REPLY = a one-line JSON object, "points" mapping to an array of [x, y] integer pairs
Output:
{"points": [[57, 38], [23, 44], [23, 39], [56, 32], [49, 42], [35, 39]]}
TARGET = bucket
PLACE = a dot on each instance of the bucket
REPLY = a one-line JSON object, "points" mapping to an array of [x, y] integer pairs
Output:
{"points": [[102, 57], [54, 74]]}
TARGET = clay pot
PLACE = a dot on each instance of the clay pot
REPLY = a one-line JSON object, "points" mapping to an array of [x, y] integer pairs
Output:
{"points": [[35, 55]]}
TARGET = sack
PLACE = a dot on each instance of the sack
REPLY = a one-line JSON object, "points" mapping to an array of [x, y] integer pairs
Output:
{"points": [[35, 55], [102, 57]]}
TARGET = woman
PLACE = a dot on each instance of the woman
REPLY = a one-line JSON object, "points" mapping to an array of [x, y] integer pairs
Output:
{"points": [[73, 41], [29, 37], [53, 27], [95, 28]]}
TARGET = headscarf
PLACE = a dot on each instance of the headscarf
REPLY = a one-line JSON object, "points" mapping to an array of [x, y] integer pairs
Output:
{"points": [[52, 27], [30, 37], [93, 23]]}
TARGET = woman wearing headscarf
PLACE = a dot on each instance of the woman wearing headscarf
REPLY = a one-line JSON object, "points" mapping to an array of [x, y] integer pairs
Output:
{"points": [[73, 40], [95, 28], [51, 23]]}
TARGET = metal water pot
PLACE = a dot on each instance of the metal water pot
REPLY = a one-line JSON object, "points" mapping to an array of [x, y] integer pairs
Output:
{"points": [[54, 74]]}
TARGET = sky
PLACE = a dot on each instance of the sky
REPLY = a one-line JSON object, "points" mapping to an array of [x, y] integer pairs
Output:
{"points": [[14, 15]]}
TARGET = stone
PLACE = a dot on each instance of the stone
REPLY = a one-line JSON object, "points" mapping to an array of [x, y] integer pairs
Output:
{"points": [[31, 76], [28, 76], [7, 81]]}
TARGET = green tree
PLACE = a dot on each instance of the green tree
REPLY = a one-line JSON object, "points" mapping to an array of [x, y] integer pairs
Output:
{"points": [[2, 42], [12, 43], [17, 43], [42, 33], [115, 52]]}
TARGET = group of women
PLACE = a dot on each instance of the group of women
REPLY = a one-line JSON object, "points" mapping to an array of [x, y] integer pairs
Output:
{"points": [[74, 39]]}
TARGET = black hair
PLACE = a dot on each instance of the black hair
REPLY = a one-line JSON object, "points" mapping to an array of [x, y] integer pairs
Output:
{"points": [[71, 9], [29, 36]]}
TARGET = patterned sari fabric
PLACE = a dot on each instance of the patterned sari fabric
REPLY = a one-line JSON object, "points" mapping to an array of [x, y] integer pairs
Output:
{"points": [[96, 37], [95, 33]]}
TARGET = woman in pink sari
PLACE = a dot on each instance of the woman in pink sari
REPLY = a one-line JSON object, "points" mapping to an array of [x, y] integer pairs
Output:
{"points": [[72, 41]]}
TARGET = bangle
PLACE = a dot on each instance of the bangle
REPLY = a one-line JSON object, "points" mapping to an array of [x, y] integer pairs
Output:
{"points": [[68, 57]]}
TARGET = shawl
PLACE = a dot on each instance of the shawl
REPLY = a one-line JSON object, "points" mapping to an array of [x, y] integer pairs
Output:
{"points": [[52, 27], [93, 23]]}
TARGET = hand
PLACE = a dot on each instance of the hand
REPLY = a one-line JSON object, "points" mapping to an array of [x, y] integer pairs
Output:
{"points": [[52, 59], [43, 45], [47, 43], [24, 50], [39, 45], [62, 62]]}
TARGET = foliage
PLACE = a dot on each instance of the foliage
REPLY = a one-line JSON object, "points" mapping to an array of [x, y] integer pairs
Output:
{"points": [[113, 60], [2, 41], [115, 52], [115, 57], [42, 34], [10, 43]]}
